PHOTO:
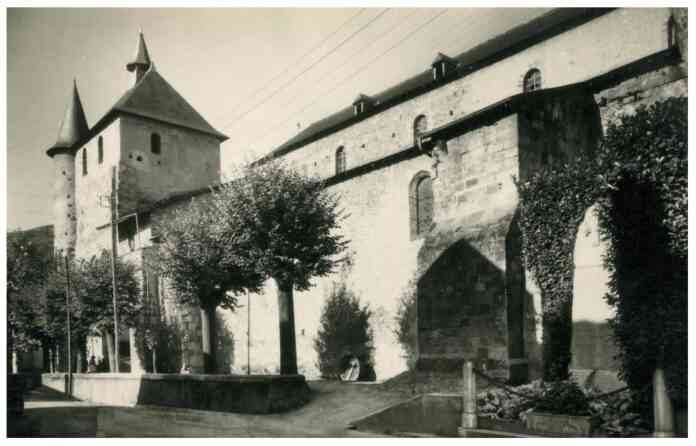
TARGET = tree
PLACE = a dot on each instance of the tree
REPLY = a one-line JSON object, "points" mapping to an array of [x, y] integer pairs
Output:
{"points": [[289, 221], [344, 333], [27, 266], [204, 254], [92, 290]]}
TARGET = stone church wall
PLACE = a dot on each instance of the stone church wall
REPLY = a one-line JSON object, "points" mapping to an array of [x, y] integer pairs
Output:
{"points": [[187, 160], [601, 45], [475, 203], [93, 189]]}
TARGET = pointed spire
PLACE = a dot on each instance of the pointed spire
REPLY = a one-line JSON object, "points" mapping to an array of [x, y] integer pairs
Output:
{"points": [[74, 124], [141, 62], [142, 56]]}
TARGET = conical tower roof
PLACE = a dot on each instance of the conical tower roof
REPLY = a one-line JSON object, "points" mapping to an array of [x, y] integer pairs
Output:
{"points": [[74, 126], [142, 56]]}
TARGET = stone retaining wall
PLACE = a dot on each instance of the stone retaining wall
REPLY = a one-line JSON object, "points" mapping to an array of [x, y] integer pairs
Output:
{"points": [[224, 393]]}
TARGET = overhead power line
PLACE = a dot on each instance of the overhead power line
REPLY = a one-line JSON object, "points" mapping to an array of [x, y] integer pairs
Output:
{"points": [[350, 58], [323, 94], [294, 78], [322, 41]]}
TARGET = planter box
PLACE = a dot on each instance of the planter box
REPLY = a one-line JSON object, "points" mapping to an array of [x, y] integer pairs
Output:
{"points": [[565, 425]]}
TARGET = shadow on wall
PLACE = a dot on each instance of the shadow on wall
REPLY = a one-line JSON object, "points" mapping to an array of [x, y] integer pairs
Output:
{"points": [[469, 308], [593, 347]]}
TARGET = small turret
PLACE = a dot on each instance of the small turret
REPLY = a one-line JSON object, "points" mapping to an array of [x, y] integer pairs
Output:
{"points": [[73, 128], [141, 62]]}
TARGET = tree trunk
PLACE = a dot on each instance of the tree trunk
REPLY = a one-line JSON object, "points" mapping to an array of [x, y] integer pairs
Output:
{"points": [[557, 337], [52, 360], [209, 338], [81, 360], [10, 350], [45, 357], [286, 322], [109, 339]]}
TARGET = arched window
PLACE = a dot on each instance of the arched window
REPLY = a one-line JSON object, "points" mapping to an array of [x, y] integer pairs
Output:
{"points": [[100, 150], [84, 161], [340, 160], [532, 80], [671, 32], [420, 125], [421, 204], [155, 144]]}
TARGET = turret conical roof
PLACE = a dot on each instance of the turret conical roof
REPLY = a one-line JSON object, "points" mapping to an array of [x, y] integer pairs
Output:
{"points": [[142, 56], [74, 124]]}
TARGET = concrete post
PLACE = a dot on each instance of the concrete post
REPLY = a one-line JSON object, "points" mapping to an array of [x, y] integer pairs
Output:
{"points": [[469, 420], [662, 406]]}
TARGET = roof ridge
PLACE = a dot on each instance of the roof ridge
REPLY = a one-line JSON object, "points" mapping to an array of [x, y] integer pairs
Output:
{"points": [[472, 59]]}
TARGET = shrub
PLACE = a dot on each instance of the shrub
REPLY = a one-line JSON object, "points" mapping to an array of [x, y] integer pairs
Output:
{"points": [[564, 397], [344, 332], [406, 331]]}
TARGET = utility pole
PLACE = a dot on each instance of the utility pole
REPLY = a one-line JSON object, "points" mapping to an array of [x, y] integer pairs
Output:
{"points": [[68, 387], [113, 204], [248, 335]]}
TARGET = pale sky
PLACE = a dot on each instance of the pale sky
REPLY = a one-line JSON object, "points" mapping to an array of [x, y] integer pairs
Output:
{"points": [[254, 74]]}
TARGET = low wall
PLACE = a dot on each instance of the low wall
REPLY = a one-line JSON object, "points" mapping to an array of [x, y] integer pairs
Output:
{"points": [[224, 393], [433, 414], [114, 389]]}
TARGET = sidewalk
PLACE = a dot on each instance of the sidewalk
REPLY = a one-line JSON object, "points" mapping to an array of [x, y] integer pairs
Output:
{"points": [[332, 407]]}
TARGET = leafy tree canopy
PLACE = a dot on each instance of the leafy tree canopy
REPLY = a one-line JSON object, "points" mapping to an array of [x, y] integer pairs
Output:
{"points": [[205, 255], [287, 220]]}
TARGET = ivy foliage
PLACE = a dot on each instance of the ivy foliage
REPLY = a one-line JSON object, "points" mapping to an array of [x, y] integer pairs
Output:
{"points": [[638, 178], [644, 216], [553, 203], [406, 330]]}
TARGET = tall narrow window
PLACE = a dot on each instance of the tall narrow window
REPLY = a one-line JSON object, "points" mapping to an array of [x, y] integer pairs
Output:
{"points": [[100, 150], [532, 80], [421, 204], [340, 160], [155, 144], [671, 32], [420, 125], [84, 161]]}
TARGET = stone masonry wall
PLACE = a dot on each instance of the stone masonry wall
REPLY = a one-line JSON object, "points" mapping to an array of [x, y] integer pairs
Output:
{"points": [[93, 189], [64, 210], [461, 291], [601, 45], [188, 160]]}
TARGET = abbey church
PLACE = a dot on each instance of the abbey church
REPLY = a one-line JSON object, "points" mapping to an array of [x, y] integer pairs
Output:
{"points": [[425, 171]]}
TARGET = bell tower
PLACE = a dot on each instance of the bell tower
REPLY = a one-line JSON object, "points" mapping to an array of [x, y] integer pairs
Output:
{"points": [[141, 62], [73, 128]]}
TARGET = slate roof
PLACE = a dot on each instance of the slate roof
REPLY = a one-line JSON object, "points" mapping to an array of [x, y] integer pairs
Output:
{"points": [[73, 127], [154, 98], [504, 45]]}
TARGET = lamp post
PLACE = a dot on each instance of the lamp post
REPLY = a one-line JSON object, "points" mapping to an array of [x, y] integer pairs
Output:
{"points": [[248, 334]]}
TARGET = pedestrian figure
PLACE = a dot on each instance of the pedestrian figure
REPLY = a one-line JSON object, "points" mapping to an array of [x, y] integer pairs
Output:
{"points": [[92, 365]]}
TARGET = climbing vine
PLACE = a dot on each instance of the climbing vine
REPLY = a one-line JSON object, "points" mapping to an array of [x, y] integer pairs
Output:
{"points": [[553, 203], [638, 178]]}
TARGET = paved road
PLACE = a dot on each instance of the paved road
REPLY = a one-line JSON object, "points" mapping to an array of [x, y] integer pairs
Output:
{"points": [[332, 407]]}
